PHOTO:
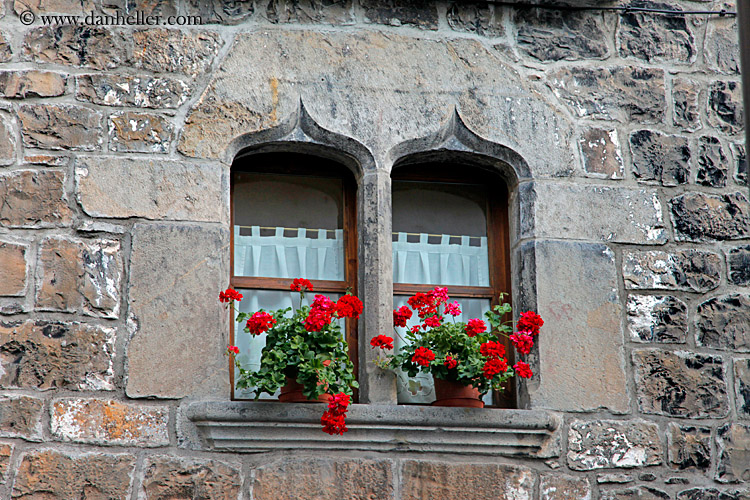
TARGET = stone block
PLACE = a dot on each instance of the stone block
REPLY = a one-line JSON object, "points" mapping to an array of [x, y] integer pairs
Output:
{"points": [[49, 160], [621, 93], [722, 46], [656, 38], [479, 17], [420, 13], [176, 273], [152, 189], [6, 52], [712, 162], [603, 444], [685, 108], [680, 384], [310, 12], [601, 154], [109, 423], [175, 477], [689, 447], [464, 481], [705, 217], [52, 474], [636, 493], [688, 270], [740, 158], [21, 417], [713, 494], [136, 91], [733, 447], [562, 487], [13, 269], [742, 386], [74, 45], [34, 198], [31, 83], [324, 479], [6, 450], [724, 323], [725, 110], [577, 292], [148, 7], [220, 11], [569, 211], [56, 6], [175, 51], [60, 126], [614, 478], [548, 35], [139, 133], [660, 158], [7, 141], [657, 318], [79, 275], [39, 354]]}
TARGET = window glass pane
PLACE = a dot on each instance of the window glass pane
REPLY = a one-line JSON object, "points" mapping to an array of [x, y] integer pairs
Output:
{"points": [[440, 234], [288, 226], [421, 389]]}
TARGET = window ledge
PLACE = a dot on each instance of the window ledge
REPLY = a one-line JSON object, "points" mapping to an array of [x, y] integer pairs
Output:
{"points": [[252, 427]]}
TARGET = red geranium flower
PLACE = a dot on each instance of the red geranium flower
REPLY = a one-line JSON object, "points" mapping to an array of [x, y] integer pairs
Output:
{"points": [[475, 326], [334, 420], [424, 303], [301, 285], [260, 322], [523, 342], [229, 295], [433, 321], [493, 366], [233, 349], [454, 308], [320, 315], [450, 363], [401, 316], [415, 329], [423, 356], [348, 306], [530, 322], [522, 370], [382, 341], [492, 349]]}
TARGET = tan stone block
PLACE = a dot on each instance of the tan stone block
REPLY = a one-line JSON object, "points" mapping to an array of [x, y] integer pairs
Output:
{"points": [[7, 141], [5, 50], [46, 354], [60, 127], [21, 416], [175, 51], [50, 160], [139, 133], [33, 198], [138, 91], [57, 6], [172, 477], [22, 84], [6, 450], [12, 269], [109, 423], [562, 487], [60, 270], [74, 45], [51, 474]]}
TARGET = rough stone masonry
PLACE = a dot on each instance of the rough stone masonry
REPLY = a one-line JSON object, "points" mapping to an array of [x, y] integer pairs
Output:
{"points": [[630, 234]]}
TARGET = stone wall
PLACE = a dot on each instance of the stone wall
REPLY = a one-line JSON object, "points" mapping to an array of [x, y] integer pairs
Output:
{"points": [[622, 139]]}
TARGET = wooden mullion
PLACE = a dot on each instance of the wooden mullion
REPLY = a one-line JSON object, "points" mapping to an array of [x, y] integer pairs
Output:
{"points": [[231, 275], [350, 270]]}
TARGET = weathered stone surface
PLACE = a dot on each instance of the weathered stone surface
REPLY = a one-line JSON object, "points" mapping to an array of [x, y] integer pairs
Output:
{"points": [[480, 18], [138, 91], [109, 423], [618, 93], [464, 481], [6, 450], [733, 447], [686, 113], [172, 477], [562, 487], [740, 157], [722, 47], [420, 13], [118, 187], [80, 275], [310, 11], [74, 45], [637, 493], [139, 133], [49, 160], [660, 158], [701, 216], [712, 162], [724, 323], [657, 318], [12, 269], [33, 198], [51, 474], [725, 110], [171, 266], [569, 211], [549, 35], [742, 386], [220, 11], [680, 384], [148, 7], [7, 141], [31, 83], [6, 53], [324, 479], [689, 447], [604, 444], [56, 6], [689, 270], [601, 153], [175, 51], [656, 38], [60, 127], [614, 478], [713, 494], [21, 416]]}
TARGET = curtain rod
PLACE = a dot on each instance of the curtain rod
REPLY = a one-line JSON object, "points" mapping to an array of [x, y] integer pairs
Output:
{"points": [[522, 5]]}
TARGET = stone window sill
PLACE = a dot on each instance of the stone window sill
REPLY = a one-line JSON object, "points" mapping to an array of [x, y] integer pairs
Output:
{"points": [[252, 427]]}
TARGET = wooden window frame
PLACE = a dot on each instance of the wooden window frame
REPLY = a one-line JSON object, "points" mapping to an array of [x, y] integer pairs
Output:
{"points": [[291, 164]]}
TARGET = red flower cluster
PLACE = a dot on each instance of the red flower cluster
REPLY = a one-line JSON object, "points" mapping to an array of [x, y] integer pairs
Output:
{"points": [[348, 306], [321, 314], [260, 322], [523, 342], [233, 349], [301, 285], [530, 322], [522, 370], [425, 304], [401, 316], [229, 295], [334, 420], [450, 363], [492, 349], [382, 341], [475, 326], [433, 321], [493, 366], [423, 356], [454, 308]]}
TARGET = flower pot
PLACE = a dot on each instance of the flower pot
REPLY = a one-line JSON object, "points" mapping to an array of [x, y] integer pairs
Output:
{"points": [[291, 392], [454, 394]]}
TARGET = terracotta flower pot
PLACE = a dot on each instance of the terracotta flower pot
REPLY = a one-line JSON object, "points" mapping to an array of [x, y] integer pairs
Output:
{"points": [[454, 394], [291, 392]]}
